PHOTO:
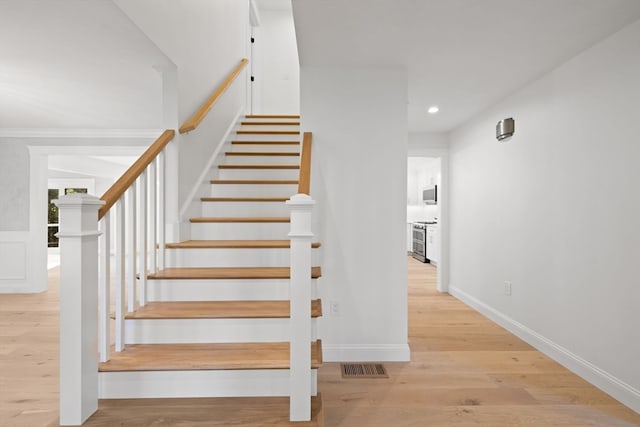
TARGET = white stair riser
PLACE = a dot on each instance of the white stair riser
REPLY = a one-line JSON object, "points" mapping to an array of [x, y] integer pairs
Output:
{"points": [[209, 257], [172, 331], [211, 209], [261, 160], [260, 173], [265, 137], [265, 148], [229, 383], [253, 190], [239, 231], [221, 290]]}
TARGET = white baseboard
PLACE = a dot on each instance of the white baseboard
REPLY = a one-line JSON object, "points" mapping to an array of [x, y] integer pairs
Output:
{"points": [[606, 382], [366, 352]]}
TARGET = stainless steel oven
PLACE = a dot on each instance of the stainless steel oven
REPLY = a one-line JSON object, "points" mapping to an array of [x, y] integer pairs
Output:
{"points": [[419, 232]]}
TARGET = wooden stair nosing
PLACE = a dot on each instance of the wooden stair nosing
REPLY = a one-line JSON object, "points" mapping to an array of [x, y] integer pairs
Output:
{"points": [[256, 181], [244, 199], [234, 244], [241, 219], [215, 273], [265, 142], [213, 356], [248, 123], [279, 309], [272, 116], [267, 132], [263, 153], [258, 166]]}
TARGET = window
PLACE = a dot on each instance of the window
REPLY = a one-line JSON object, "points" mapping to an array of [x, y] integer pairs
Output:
{"points": [[53, 219]]}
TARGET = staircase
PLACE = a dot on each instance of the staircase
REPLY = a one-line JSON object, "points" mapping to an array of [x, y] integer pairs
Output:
{"points": [[217, 318]]}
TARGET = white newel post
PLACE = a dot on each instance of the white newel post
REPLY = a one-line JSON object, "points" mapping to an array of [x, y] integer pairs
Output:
{"points": [[300, 207], [78, 307]]}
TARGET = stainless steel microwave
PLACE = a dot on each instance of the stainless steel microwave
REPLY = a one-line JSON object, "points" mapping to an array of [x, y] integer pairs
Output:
{"points": [[430, 195]]}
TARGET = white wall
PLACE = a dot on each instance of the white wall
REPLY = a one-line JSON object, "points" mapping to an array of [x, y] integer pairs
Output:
{"points": [[421, 142], [422, 173], [555, 210], [277, 70], [359, 176], [205, 40]]}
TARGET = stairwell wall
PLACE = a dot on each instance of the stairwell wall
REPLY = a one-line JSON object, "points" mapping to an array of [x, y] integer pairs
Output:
{"points": [[205, 40], [555, 211], [358, 117]]}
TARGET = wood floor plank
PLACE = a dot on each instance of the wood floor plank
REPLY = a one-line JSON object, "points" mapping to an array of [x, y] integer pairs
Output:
{"points": [[199, 273], [219, 310], [202, 412], [29, 378], [211, 356], [238, 244]]}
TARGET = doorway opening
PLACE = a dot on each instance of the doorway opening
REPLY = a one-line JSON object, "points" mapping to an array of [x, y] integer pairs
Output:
{"points": [[426, 213]]}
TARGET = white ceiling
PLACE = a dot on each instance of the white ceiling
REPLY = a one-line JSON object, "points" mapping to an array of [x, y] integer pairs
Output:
{"points": [[83, 64], [462, 55], [76, 64]]}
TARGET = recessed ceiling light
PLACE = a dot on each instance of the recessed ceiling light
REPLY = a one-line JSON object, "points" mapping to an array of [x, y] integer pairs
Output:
{"points": [[433, 109]]}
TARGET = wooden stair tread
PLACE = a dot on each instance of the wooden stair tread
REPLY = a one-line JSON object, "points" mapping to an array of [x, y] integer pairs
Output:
{"points": [[265, 142], [272, 116], [244, 199], [242, 219], [248, 123], [219, 310], [234, 244], [263, 153], [255, 181], [259, 166], [267, 132], [214, 356], [228, 273]]}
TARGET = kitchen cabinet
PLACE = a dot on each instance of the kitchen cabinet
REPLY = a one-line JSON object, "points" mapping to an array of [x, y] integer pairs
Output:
{"points": [[432, 243]]}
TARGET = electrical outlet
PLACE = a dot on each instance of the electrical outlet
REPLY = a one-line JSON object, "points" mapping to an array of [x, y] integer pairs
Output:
{"points": [[334, 307], [507, 288]]}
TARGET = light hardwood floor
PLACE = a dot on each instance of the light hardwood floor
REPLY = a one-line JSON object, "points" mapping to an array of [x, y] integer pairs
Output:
{"points": [[465, 371]]}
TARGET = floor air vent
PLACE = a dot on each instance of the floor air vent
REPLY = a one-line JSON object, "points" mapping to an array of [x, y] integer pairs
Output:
{"points": [[363, 370]]}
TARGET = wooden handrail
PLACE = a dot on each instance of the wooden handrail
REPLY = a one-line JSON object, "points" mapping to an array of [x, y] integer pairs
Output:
{"points": [[304, 182], [113, 194], [195, 120]]}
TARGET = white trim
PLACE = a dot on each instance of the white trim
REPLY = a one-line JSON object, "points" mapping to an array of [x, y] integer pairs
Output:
{"points": [[79, 133], [201, 383], [91, 150], [618, 389], [442, 273], [207, 169], [254, 14], [366, 352]]}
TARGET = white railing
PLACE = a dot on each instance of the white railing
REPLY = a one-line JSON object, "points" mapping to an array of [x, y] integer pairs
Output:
{"points": [[301, 206], [85, 272], [137, 225]]}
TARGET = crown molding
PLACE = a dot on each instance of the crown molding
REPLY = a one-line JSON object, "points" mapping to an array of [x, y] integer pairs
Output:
{"points": [[79, 133]]}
